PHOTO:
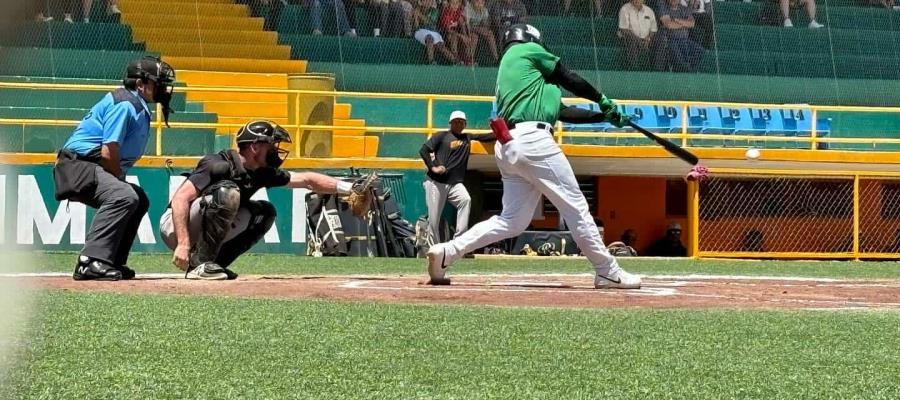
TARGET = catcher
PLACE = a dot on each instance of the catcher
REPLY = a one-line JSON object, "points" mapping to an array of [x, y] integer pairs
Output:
{"points": [[211, 219]]}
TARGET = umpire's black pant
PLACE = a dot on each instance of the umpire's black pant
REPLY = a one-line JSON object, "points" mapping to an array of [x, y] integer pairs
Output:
{"points": [[120, 207]]}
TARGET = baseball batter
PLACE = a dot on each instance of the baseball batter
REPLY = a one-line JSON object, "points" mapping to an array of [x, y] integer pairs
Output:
{"points": [[532, 164]]}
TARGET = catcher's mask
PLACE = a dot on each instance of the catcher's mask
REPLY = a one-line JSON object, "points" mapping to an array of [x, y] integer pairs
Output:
{"points": [[521, 33], [152, 69], [267, 132]]}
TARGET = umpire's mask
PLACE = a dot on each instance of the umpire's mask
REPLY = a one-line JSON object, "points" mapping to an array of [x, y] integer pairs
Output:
{"points": [[152, 69]]}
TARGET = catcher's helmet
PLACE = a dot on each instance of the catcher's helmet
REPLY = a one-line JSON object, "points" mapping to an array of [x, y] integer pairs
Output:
{"points": [[263, 131], [521, 33]]}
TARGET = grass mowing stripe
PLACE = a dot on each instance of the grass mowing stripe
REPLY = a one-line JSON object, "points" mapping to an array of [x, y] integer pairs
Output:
{"points": [[291, 264], [91, 345]]}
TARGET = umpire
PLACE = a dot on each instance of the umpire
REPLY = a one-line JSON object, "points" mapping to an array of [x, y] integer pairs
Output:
{"points": [[211, 219], [446, 155], [92, 164]]}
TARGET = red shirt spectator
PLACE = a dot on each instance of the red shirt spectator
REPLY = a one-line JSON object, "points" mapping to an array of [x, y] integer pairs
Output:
{"points": [[452, 18]]}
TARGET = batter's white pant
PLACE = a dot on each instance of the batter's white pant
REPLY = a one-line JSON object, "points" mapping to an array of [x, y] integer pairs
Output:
{"points": [[541, 169], [436, 195]]}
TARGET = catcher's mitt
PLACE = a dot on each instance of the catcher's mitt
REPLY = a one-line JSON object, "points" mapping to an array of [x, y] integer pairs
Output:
{"points": [[362, 193]]}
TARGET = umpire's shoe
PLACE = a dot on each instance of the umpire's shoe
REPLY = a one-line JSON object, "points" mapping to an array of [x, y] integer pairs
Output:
{"points": [[208, 271], [88, 269], [127, 273]]}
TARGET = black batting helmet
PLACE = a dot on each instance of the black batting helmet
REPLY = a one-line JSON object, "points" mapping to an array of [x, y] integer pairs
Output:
{"points": [[521, 33]]}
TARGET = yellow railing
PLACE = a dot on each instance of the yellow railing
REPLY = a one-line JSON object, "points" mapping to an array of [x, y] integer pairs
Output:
{"points": [[683, 133]]}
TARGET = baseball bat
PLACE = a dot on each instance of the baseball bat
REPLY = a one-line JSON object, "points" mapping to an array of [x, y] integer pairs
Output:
{"points": [[673, 148]]}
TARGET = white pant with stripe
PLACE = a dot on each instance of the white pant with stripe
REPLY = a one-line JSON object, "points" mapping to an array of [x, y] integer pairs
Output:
{"points": [[542, 168]]}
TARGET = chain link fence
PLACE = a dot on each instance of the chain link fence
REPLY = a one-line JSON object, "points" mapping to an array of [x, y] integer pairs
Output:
{"points": [[800, 215], [776, 214]]}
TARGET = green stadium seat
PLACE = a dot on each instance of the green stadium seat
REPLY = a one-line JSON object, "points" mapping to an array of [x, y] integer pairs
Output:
{"points": [[62, 35], [66, 63]]}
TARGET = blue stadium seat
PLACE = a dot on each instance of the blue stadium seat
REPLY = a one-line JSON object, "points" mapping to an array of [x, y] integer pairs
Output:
{"points": [[796, 121], [668, 119], [744, 121], [774, 123]]}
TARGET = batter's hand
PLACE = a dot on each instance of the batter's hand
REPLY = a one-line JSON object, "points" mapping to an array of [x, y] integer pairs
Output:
{"points": [[180, 258], [439, 169]]}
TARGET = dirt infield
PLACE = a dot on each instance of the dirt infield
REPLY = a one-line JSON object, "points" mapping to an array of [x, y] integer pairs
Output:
{"points": [[689, 292]]}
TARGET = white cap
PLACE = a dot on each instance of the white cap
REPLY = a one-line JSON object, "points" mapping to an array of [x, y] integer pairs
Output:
{"points": [[457, 114], [674, 227]]}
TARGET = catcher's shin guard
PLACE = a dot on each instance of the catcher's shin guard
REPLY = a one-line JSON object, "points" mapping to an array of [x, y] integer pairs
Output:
{"points": [[262, 217], [219, 204]]}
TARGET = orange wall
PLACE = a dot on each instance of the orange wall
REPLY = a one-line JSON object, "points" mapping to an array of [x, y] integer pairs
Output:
{"points": [[638, 203]]}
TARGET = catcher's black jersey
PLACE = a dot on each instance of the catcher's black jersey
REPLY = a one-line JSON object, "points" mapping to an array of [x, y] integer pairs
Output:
{"points": [[226, 165]]}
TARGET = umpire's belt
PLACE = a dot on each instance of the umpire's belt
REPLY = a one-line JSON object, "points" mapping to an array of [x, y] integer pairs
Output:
{"points": [[543, 126]]}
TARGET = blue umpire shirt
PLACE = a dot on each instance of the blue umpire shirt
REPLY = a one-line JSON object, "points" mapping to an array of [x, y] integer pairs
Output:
{"points": [[121, 117]]}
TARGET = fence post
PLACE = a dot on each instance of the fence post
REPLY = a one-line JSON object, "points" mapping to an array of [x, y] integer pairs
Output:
{"points": [[297, 138], [693, 211], [684, 125], [812, 130], [158, 129], [429, 114], [856, 217]]}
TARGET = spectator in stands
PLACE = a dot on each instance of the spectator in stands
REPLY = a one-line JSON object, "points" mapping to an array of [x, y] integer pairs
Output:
{"points": [[452, 24], [505, 13], [669, 245], [677, 21], [42, 11], [884, 3], [389, 17], [315, 11], [425, 22], [625, 246], [703, 30], [598, 8], [637, 28], [479, 19], [70, 6], [786, 6], [270, 10]]}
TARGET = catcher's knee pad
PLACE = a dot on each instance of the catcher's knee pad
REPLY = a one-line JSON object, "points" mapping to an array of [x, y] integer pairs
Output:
{"points": [[218, 206], [222, 195]]}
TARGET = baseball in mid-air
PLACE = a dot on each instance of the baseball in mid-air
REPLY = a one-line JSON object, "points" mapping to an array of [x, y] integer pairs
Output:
{"points": [[752, 154]]}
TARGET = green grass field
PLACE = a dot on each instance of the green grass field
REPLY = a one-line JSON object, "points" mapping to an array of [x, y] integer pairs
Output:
{"points": [[91, 345]]}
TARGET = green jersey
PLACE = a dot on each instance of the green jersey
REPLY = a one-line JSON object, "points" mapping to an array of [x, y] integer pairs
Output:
{"points": [[523, 93]]}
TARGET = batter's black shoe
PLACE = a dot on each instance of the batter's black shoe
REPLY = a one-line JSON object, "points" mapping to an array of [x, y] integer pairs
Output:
{"points": [[87, 269], [231, 274], [127, 273]]}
